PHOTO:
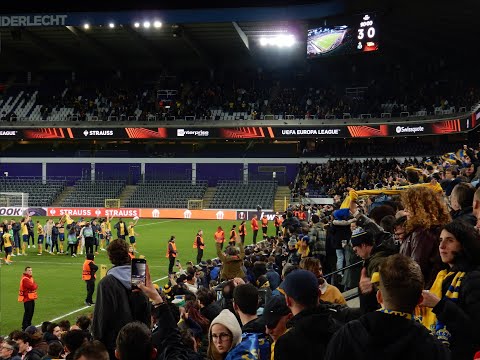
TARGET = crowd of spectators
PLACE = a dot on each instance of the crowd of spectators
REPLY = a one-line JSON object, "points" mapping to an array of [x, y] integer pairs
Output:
{"points": [[415, 258], [391, 90], [336, 176]]}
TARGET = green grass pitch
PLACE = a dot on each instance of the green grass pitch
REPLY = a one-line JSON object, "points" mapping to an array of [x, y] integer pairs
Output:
{"points": [[61, 290], [325, 42]]}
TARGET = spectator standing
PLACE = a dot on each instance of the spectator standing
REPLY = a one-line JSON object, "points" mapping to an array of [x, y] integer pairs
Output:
{"points": [[311, 327], [426, 213], [116, 304], [454, 298], [391, 332], [224, 334]]}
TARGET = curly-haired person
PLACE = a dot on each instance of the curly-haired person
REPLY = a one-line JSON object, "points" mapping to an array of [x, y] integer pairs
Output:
{"points": [[426, 214]]}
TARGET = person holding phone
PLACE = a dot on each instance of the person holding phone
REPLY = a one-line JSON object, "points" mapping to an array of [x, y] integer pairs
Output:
{"points": [[88, 275], [171, 253], [117, 303], [138, 272]]}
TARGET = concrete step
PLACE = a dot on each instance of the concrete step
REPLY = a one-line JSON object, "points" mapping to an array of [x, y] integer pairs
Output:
{"points": [[126, 194], [208, 197], [63, 195]]}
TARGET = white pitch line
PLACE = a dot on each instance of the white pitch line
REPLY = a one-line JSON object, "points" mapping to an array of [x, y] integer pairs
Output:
{"points": [[77, 264], [87, 307], [158, 222]]}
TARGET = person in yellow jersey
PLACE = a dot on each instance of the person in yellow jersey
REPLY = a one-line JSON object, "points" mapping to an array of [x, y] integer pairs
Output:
{"points": [[40, 238], [132, 234], [102, 235], [121, 229], [24, 232], [108, 227], [7, 243]]}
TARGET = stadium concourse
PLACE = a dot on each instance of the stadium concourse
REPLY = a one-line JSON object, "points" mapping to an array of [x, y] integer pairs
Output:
{"points": [[265, 180]]}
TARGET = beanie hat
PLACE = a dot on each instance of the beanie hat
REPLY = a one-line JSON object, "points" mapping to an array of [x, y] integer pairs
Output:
{"points": [[341, 214], [227, 319], [293, 241], [360, 236]]}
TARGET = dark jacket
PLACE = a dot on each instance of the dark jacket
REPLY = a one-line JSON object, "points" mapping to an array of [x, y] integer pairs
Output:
{"points": [[166, 337], [380, 236], [211, 311], [232, 265], [462, 318], [465, 215], [379, 336], [368, 302], [318, 240], [273, 278], [34, 354], [116, 306], [256, 326], [308, 336], [422, 246], [341, 231]]}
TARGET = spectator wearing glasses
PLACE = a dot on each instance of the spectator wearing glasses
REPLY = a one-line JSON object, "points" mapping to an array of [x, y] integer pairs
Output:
{"points": [[224, 334], [9, 350]]}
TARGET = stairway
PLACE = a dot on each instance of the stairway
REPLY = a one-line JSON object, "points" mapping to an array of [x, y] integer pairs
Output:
{"points": [[126, 194], [283, 192], [208, 197], [63, 195]]}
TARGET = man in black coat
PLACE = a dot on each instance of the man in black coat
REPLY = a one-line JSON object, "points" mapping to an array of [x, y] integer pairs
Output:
{"points": [[116, 303], [391, 332], [312, 325]]}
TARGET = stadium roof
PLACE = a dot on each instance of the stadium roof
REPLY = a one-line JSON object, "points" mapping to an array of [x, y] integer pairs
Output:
{"points": [[223, 38]]}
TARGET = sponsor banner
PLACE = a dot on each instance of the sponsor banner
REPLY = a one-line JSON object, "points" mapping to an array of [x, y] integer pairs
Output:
{"points": [[246, 132], [92, 212], [243, 215], [270, 215], [19, 211], [188, 214]]}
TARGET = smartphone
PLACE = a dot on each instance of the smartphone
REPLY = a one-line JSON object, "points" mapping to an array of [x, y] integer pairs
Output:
{"points": [[139, 272]]}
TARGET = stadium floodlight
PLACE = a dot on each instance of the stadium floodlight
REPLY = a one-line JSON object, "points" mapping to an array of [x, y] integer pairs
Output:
{"points": [[146, 24], [285, 40], [86, 26], [278, 41], [137, 24], [157, 24]]}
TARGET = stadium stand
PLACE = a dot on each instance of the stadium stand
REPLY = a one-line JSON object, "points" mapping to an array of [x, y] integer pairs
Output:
{"points": [[237, 195], [166, 194], [93, 100], [87, 193], [39, 193]]}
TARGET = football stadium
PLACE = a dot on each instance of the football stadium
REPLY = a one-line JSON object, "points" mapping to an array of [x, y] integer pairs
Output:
{"points": [[251, 180]]}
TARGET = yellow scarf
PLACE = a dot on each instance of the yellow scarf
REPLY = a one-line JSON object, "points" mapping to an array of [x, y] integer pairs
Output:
{"points": [[428, 318]]}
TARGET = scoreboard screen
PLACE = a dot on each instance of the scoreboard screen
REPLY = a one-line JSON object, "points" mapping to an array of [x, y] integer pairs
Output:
{"points": [[356, 34]]}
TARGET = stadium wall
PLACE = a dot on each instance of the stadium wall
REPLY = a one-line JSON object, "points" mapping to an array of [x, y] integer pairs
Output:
{"points": [[211, 169]]}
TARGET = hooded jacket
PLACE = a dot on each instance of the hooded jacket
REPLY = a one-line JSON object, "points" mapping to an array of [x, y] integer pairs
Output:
{"points": [[379, 336], [116, 306], [308, 335], [465, 215], [232, 265]]}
